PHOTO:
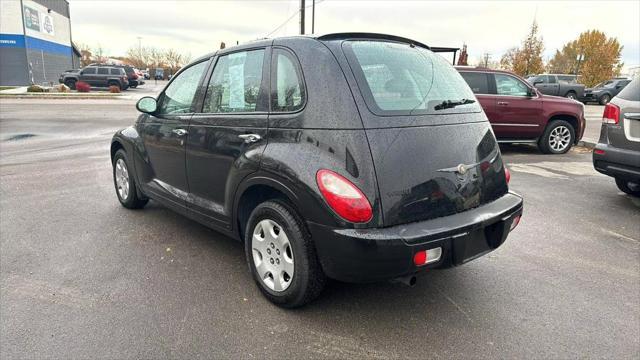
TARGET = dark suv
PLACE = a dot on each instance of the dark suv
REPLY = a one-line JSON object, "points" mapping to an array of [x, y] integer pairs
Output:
{"points": [[605, 91], [98, 76], [133, 78], [518, 112], [617, 153], [359, 157]]}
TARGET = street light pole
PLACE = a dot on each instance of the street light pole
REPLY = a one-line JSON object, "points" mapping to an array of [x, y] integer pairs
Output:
{"points": [[301, 17], [313, 16]]}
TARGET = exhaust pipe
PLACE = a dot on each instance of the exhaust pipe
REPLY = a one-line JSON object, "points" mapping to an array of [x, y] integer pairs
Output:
{"points": [[409, 280]]}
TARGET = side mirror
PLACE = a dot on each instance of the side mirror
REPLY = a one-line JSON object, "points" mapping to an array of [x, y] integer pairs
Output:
{"points": [[147, 105], [81, 72]]}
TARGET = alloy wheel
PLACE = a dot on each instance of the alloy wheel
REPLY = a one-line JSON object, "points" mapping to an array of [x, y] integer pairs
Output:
{"points": [[122, 179], [560, 138], [272, 255]]}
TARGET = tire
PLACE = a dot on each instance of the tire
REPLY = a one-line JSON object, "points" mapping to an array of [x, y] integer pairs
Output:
{"points": [[133, 86], [572, 95], [628, 188], [71, 84], [604, 99], [128, 196], [294, 252], [557, 138]]}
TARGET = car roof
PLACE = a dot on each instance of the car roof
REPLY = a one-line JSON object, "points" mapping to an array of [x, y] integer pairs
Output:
{"points": [[480, 69], [325, 37]]}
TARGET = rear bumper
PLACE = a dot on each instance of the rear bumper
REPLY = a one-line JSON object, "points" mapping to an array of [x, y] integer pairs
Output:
{"points": [[616, 162], [367, 255]]}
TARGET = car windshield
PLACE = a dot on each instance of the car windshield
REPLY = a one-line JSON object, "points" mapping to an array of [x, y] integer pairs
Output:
{"points": [[398, 78]]}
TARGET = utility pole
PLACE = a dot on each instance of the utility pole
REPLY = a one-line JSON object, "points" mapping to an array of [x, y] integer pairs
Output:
{"points": [[486, 59], [313, 16], [301, 17]]}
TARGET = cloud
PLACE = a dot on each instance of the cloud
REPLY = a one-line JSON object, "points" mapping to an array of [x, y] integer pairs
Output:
{"points": [[485, 26]]}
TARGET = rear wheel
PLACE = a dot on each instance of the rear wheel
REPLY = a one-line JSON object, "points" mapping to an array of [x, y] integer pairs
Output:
{"points": [[604, 99], [71, 84], [281, 255], [628, 187], [125, 183], [558, 138], [572, 95]]}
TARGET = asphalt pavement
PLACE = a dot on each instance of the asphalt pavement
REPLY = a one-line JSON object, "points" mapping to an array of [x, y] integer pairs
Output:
{"points": [[82, 277]]}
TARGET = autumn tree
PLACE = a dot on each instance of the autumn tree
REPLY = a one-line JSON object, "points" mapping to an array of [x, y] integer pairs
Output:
{"points": [[592, 55], [526, 59]]}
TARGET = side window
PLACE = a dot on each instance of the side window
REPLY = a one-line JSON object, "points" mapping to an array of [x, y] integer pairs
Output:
{"points": [[477, 82], [178, 96], [287, 88], [508, 85], [89, 71], [103, 71], [115, 71], [551, 79], [235, 83]]}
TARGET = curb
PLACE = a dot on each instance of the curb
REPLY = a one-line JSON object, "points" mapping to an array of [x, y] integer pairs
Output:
{"points": [[588, 143], [23, 96]]}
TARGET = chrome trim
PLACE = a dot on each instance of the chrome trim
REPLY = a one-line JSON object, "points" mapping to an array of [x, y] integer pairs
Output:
{"points": [[521, 125]]}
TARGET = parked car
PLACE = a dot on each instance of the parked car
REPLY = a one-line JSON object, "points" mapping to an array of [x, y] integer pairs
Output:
{"points": [[370, 162], [140, 76], [97, 76], [132, 77], [146, 75], [617, 153], [558, 85], [158, 74], [518, 112], [605, 91]]}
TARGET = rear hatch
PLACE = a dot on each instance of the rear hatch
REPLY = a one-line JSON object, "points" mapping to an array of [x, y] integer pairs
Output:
{"points": [[626, 134], [433, 149]]}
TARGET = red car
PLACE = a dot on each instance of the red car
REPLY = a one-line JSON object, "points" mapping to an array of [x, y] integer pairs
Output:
{"points": [[518, 112]]}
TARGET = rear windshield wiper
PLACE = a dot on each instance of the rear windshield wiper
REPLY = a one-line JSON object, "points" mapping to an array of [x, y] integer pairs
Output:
{"points": [[448, 104]]}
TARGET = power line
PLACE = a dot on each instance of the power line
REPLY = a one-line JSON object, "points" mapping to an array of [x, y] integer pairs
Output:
{"points": [[291, 17]]}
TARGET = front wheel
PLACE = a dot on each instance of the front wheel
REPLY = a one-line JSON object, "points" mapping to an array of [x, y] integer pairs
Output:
{"points": [[558, 138], [604, 99], [628, 187], [125, 183], [71, 84], [282, 256], [572, 95]]}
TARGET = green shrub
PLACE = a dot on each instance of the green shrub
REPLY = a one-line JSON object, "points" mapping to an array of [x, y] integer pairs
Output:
{"points": [[36, 88]]}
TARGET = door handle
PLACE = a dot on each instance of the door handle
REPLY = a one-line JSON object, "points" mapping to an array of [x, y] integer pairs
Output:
{"points": [[250, 138], [503, 103], [180, 132]]}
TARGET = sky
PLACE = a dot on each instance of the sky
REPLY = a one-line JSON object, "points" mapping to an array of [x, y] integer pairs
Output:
{"points": [[198, 27]]}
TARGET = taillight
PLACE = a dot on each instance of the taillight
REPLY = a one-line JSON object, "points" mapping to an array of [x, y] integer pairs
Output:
{"points": [[611, 114], [344, 197], [507, 174]]}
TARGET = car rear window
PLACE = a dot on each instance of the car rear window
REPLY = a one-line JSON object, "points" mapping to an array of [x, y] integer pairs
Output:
{"points": [[402, 79], [631, 92]]}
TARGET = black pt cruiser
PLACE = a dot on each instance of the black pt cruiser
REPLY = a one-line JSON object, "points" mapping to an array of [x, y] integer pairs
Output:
{"points": [[358, 157]]}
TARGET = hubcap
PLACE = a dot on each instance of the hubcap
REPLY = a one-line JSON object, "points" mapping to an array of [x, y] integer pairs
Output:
{"points": [[272, 255], [560, 138], [122, 179]]}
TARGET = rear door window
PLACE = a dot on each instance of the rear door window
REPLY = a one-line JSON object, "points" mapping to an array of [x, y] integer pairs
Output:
{"points": [[478, 82], [235, 83], [103, 71], [402, 79], [287, 86]]}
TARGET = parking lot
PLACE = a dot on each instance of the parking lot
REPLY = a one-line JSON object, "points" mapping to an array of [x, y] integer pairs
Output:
{"points": [[82, 277]]}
